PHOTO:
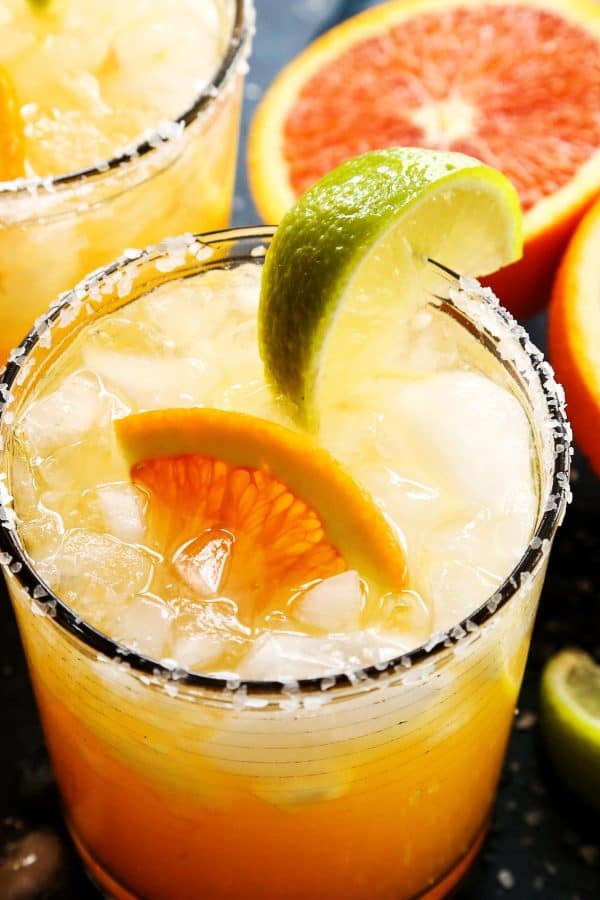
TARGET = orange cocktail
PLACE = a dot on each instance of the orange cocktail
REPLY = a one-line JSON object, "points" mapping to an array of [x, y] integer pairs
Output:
{"points": [[120, 125], [265, 753]]}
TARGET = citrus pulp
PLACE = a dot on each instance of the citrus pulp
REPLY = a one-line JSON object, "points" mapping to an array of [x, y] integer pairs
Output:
{"points": [[253, 508], [515, 84]]}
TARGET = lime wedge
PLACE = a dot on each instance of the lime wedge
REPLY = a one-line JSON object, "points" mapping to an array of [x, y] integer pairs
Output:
{"points": [[570, 721], [351, 254]]}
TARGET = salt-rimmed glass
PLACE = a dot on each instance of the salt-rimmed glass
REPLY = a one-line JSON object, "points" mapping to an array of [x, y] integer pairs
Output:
{"points": [[375, 783], [178, 178]]}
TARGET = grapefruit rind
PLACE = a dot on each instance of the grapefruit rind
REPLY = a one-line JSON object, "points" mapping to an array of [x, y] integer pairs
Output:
{"points": [[353, 522], [574, 333], [328, 235]]}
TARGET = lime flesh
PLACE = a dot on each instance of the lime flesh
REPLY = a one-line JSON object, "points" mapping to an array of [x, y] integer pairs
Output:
{"points": [[365, 230], [570, 721]]}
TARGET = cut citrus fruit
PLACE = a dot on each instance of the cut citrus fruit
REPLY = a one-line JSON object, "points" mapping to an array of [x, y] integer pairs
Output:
{"points": [[358, 238], [252, 510], [570, 721], [574, 333], [515, 84], [12, 145]]}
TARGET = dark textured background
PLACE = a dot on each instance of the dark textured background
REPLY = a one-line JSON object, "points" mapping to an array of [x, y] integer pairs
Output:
{"points": [[541, 844]]}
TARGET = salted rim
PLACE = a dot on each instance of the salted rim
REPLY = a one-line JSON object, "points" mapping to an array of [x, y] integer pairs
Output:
{"points": [[155, 138], [22, 568]]}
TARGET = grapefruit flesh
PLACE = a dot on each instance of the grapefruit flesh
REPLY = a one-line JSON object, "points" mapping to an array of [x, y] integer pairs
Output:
{"points": [[234, 530], [448, 80], [243, 508], [515, 85]]}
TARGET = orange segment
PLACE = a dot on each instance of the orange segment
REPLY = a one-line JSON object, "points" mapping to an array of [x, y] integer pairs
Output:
{"points": [[251, 510], [515, 84], [574, 333], [12, 143]]}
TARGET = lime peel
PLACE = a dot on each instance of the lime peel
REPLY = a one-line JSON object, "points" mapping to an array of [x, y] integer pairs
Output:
{"points": [[570, 721], [328, 237]]}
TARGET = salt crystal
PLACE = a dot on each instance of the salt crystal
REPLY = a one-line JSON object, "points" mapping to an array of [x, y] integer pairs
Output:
{"points": [[590, 854], [526, 721], [533, 817], [506, 879]]}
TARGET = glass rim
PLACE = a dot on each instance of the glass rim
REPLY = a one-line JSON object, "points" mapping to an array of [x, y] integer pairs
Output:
{"points": [[154, 139], [23, 569]]}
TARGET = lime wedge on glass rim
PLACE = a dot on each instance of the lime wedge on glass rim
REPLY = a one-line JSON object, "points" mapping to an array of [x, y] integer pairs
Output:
{"points": [[570, 721], [348, 260]]}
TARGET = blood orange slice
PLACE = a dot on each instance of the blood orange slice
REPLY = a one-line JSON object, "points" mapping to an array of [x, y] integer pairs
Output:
{"points": [[574, 332], [251, 510], [12, 147], [515, 84]]}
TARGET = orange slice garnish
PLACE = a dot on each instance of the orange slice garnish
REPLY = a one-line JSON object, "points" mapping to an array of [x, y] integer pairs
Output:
{"points": [[244, 508], [12, 140]]}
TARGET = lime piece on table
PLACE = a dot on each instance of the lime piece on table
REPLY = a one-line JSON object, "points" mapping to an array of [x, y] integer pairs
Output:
{"points": [[570, 721], [347, 259]]}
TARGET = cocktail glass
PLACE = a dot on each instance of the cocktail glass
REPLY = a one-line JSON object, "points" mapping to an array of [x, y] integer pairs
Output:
{"points": [[180, 178], [377, 783]]}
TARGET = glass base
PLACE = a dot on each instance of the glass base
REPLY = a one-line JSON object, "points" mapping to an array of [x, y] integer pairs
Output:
{"points": [[111, 890]]}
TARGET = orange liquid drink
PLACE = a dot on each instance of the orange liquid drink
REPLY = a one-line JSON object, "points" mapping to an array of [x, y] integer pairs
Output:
{"points": [[119, 126], [312, 737]]}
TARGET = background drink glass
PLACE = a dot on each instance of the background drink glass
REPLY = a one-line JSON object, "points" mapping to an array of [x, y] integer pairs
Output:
{"points": [[54, 230], [375, 785]]}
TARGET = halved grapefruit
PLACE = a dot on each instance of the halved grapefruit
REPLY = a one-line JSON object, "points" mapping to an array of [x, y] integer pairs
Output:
{"points": [[574, 332], [515, 84], [252, 510], [12, 147]]}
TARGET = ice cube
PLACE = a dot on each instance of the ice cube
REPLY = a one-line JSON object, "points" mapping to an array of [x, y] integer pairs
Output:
{"points": [[467, 557], [471, 437], [198, 651], [144, 625], [406, 615], [70, 470], [183, 313], [152, 382], [334, 604], [121, 508], [202, 562], [42, 534], [280, 656], [169, 60], [296, 791], [458, 587], [95, 573], [205, 630], [68, 413]]}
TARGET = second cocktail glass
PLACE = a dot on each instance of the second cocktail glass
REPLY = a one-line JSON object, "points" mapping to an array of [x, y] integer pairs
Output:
{"points": [[178, 178]]}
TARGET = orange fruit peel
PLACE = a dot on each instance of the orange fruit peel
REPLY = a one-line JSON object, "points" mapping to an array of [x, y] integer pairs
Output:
{"points": [[574, 333], [514, 104], [232, 488], [12, 139]]}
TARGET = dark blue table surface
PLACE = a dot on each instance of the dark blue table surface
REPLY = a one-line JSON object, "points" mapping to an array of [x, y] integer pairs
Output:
{"points": [[541, 843]]}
